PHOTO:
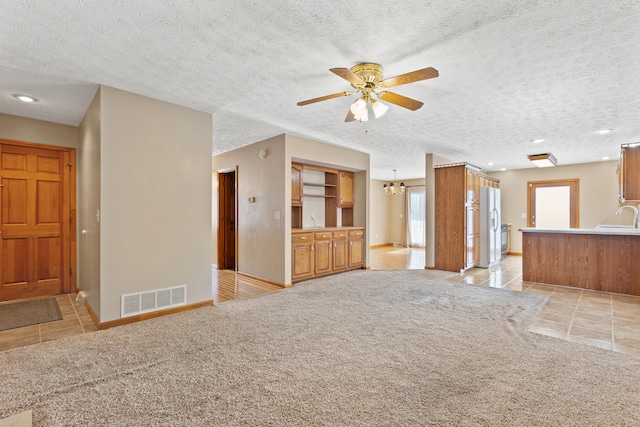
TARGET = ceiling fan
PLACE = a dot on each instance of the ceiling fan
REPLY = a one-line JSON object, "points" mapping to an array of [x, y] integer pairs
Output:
{"points": [[367, 79]]}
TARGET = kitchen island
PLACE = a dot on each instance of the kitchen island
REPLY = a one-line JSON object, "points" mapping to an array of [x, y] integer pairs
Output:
{"points": [[600, 259]]}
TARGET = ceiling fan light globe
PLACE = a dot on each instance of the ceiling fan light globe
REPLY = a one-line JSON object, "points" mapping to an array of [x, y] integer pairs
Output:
{"points": [[359, 107], [364, 117], [378, 108]]}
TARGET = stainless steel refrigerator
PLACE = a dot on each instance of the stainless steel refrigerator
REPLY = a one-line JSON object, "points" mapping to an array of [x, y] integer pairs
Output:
{"points": [[490, 233]]}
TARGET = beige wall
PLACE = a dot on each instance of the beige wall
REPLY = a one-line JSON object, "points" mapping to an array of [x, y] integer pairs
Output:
{"points": [[38, 131], [598, 194], [388, 213], [380, 233], [260, 246], [155, 189], [88, 204], [264, 242]]}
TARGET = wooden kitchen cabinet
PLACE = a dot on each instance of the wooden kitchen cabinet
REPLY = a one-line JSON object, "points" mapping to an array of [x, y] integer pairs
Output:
{"points": [[356, 247], [629, 175], [339, 250], [327, 251], [296, 184], [345, 189], [457, 215], [302, 256], [323, 255]]}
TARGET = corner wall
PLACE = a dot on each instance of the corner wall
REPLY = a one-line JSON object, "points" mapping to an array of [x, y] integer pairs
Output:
{"points": [[89, 204]]}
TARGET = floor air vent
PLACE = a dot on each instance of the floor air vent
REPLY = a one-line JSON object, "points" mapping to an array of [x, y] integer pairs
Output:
{"points": [[159, 299]]}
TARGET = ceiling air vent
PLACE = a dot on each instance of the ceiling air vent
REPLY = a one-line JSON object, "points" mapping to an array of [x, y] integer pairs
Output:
{"points": [[148, 301]]}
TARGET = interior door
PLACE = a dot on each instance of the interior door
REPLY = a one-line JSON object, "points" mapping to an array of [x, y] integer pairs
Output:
{"points": [[227, 220], [35, 222]]}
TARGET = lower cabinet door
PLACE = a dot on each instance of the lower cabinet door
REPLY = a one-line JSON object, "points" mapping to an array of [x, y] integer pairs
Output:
{"points": [[302, 255], [339, 255], [323, 257], [355, 253]]}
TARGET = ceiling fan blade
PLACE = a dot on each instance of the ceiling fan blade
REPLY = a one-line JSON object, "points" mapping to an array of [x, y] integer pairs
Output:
{"points": [[414, 76], [323, 98], [400, 100], [350, 117], [348, 75]]}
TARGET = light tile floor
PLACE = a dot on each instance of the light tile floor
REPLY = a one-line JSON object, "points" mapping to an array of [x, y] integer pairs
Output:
{"points": [[601, 319], [75, 320]]}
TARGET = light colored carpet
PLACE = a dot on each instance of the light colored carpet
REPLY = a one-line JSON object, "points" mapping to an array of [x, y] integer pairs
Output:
{"points": [[364, 348], [25, 313]]}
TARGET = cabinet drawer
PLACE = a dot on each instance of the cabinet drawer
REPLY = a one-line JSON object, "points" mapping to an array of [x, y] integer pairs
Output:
{"points": [[356, 233], [302, 238], [339, 235], [325, 235]]}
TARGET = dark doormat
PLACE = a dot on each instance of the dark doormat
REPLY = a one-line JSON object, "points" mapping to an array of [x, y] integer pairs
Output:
{"points": [[26, 313]]}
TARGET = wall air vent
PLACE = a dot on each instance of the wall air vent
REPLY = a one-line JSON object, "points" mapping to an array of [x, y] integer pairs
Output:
{"points": [[148, 301]]}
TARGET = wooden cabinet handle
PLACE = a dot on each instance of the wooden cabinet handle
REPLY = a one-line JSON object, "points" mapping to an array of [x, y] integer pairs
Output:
{"points": [[303, 238]]}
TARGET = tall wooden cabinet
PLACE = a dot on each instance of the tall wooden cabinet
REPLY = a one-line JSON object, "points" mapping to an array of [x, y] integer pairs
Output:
{"points": [[629, 174], [457, 215]]}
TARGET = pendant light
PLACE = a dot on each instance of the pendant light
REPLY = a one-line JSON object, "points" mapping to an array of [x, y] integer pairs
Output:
{"points": [[391, 189]]}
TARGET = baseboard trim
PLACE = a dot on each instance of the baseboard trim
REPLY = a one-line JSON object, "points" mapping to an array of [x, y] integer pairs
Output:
{"points": [[515, 253], [429, 268], [380, 246], [249, 276], [145, 316], [92, 313]]}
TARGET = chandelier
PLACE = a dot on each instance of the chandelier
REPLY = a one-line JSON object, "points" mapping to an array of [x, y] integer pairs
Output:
{"points": [[391, 189]]}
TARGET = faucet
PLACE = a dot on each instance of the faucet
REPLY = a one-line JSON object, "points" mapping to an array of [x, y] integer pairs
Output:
{"points": [[635, 214]]}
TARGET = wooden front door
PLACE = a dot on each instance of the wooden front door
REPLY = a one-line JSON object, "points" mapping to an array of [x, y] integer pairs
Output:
{"points": [[35, 221]]}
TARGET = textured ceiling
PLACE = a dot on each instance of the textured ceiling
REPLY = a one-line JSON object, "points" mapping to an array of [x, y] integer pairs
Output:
{"points": [[510, 71]]}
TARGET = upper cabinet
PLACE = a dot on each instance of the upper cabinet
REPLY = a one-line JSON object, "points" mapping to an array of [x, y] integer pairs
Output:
{"points": [[629, 174], [296, 184], [345, 189]]}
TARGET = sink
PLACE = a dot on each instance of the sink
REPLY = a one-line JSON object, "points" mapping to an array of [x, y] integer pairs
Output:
{"points": [[613, 226]]}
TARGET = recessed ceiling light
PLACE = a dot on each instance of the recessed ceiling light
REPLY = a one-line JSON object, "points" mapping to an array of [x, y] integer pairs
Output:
{"points": [[490, 163], [537, 141], [25, 98], [604, 131], [606, 158], [503, 169]]}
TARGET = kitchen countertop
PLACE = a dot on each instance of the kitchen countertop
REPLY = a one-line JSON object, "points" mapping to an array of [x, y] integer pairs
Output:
{"points": [[609, 231]]}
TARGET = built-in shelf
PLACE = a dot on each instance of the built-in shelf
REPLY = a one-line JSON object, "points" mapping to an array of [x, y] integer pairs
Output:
{"points": [[318, 195], [313, 184]]}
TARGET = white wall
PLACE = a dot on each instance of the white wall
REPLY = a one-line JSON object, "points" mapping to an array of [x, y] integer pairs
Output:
{"points": [[598, 194], [155, 175]]}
